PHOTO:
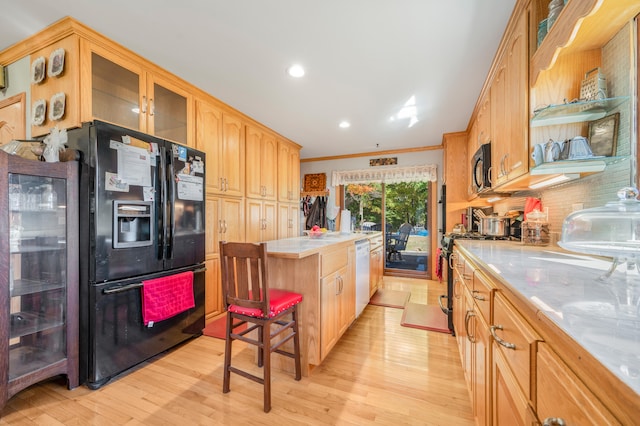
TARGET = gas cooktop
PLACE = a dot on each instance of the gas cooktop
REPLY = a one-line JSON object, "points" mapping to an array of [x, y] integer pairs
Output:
{"points": [[475, 236]]}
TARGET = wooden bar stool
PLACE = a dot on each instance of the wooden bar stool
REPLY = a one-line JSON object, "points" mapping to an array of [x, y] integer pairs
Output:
{"points": [[248, 299]]}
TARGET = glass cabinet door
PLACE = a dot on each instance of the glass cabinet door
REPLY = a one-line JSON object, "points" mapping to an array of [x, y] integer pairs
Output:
{"points": [[37, 272], [169, 114], [115, 93]]}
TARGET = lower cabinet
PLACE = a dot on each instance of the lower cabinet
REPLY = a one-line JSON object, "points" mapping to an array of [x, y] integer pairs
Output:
{"points": [[337, 295], [376, 269], [514, 376], [509, 405], [213, 303], [332, 288], [563, 398]]}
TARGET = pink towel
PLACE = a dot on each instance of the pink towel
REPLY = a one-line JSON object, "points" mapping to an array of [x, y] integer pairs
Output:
{"points": [[165, 297]]}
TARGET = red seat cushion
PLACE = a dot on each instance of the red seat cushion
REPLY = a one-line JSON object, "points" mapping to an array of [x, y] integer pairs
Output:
{"points": [[279, 300]]}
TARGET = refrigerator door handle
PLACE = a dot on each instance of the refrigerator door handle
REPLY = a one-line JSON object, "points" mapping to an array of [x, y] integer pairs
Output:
{"points": [[162, 231], [122, 289], [170, 226]]}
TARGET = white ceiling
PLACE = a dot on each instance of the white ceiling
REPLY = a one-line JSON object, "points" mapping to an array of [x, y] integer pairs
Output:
{"points": [[364, 59]]}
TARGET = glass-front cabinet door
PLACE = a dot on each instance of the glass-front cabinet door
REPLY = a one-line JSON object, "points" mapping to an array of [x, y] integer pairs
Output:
{"points": [[38, 273], [124, 92], [115, 93]]}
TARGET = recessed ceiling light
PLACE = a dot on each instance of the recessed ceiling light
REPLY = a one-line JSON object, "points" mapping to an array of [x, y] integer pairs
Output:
{"points": [[344, 124], [295, 70]]}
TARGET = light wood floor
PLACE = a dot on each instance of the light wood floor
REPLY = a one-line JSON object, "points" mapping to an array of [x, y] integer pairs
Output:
{"points": [[378, 373]]}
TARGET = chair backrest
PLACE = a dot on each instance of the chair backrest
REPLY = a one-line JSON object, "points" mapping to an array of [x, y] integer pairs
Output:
{"points": [[243, 268], [403, 236]]}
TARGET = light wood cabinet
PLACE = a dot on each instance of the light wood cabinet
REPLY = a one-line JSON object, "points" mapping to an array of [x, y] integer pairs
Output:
{"points": [[209, 140], [563, 397], [232, 155], [288, 220], [261, 163], [517, 100], [261, 223], [227, 216], [117, 88], [337, 296], [39, 273], [514, 349], [376, 269], [288, 172], [510, 406], [65, 83], [213, 302], [221, 136]]}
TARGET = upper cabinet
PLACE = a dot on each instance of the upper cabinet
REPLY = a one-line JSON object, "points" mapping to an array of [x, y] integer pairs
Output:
{"points": [[509, 107], [288, 172], [221, 136], [261, 161], [119, 90]]}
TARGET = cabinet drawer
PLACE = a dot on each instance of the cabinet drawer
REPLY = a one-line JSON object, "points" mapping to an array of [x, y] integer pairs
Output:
{"points": [[333, 260], [562, 395], [482, 294], [516, 340]]}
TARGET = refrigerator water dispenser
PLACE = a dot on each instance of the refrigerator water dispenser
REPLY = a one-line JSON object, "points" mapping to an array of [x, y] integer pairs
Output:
{"points": [[132, 224]]}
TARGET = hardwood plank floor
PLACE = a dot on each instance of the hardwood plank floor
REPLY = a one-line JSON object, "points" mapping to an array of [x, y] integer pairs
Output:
{"points": [[378, 373]]}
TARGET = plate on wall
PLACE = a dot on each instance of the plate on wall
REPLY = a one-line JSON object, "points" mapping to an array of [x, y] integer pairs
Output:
{"points": [[37, 70], [39, 112], [56, 106], [56, 63]]}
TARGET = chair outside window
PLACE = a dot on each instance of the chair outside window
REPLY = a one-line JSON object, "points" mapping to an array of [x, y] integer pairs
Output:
{"points": [[396, 243], [270, 313]]}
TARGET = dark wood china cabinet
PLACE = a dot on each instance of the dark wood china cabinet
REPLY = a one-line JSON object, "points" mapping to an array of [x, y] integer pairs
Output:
{"points": [[38, 273]]}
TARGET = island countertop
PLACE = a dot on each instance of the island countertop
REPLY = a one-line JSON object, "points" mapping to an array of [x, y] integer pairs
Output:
{"points": [[600, 315], [299, 247]]}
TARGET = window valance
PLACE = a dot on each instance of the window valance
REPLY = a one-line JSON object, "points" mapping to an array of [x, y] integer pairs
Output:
{"points": [[386, 174]]}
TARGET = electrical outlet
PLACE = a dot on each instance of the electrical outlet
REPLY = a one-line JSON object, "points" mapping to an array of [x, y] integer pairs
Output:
{"points": [[577, 206]]}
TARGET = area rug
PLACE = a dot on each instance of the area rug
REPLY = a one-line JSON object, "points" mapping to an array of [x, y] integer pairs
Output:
{"points": [[425, 317], [218, 329], [390, 298]]}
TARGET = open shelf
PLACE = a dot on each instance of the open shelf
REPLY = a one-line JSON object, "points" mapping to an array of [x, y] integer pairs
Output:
{"points": [[576, 112], [592, 165]]}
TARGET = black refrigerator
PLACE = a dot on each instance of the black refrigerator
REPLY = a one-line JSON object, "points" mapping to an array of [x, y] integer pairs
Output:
{"points": [[141, 221]]}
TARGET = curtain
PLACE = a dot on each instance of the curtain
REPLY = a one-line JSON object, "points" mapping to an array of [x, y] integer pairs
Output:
{"points": [[388, 174]]}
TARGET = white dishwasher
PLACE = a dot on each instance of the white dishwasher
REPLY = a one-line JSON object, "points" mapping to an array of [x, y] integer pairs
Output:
{"points": [[362, 275]]}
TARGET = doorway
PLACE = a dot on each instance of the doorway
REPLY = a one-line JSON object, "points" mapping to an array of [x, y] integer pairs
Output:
{"points": [[401, 212]]}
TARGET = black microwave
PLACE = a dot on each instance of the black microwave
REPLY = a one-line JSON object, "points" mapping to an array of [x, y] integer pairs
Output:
{"points": [[481, 169]]}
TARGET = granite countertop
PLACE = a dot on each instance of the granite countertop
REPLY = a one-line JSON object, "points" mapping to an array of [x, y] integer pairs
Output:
{"points": [[299, 247], [601, 315]]}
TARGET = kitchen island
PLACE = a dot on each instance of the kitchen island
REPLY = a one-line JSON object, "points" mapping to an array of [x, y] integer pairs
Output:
{"points": [[323, 271], [582, 326]]}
